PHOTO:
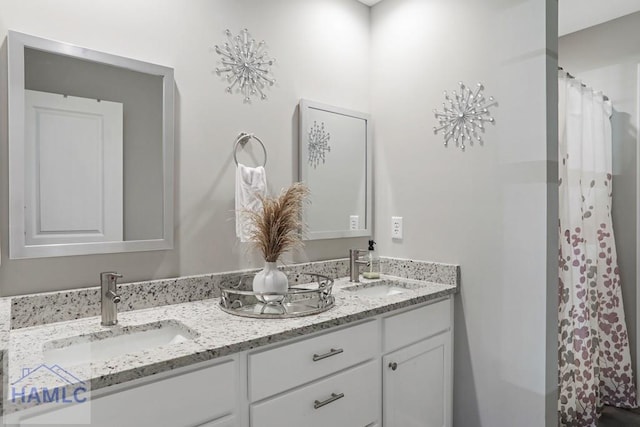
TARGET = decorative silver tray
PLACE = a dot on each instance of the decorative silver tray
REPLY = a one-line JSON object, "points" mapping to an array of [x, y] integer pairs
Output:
{"points": [[303, 299]]}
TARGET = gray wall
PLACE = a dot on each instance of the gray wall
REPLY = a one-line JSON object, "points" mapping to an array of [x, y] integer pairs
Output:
{"points": [[491, 208], [606, 57], [322, 53]]}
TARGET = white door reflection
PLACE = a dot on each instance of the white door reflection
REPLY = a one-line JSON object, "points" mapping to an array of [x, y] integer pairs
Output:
{"points": [[73, 164]]}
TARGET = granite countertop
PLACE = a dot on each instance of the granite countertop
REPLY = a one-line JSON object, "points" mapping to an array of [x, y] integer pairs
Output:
{"points": [[217, 333]]}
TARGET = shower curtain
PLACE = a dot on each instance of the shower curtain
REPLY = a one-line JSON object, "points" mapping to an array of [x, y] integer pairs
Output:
{"points": [[593, 355]]}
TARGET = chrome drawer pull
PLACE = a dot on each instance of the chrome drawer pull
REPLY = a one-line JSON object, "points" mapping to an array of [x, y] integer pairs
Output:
{"points": [[317, 404], [331, 352]]}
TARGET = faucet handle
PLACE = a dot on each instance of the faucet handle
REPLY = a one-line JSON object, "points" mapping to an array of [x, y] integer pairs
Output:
{"points": [[110, 275], [110, 279]]}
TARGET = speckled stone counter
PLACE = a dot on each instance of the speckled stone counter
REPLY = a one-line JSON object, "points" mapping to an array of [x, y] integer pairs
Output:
{"points": [[218, 333], [50, 307]]}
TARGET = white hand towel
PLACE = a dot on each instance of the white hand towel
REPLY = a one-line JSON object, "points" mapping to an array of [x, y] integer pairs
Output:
{"points": [[251, 184]]}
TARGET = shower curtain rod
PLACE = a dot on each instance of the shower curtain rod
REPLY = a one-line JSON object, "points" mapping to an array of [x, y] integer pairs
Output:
{"points": [[606, 98]]}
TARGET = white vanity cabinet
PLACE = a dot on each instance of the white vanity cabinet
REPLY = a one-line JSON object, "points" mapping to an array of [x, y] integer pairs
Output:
{"points": [[394, 370], [206, 396], [417, 376], [391, 370]]}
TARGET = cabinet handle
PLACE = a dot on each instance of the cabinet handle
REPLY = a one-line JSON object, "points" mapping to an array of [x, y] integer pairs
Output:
{"points": [[331, 352], [393, 366], [318, 404]]}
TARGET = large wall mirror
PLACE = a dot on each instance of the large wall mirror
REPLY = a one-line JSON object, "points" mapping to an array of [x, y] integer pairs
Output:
{"points": [[91, 151], [335, 162]]}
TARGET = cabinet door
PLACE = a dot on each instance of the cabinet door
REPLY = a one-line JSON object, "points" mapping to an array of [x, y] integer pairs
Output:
{"points": [[417, 384]]}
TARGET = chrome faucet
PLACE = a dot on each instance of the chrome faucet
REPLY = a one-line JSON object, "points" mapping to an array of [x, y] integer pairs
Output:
{"points": [[354, 264], [109, 297]]}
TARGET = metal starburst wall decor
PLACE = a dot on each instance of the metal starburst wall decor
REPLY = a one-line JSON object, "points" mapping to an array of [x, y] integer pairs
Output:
{"points": [[464, 115], [246, 64], [318, 144]]}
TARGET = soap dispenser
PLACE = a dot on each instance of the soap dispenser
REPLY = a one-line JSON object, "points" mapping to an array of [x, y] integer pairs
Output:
{"points": [[373, 263]]}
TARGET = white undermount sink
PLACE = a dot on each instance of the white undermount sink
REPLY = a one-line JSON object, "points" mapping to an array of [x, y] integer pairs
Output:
{"points": [[104, 345], [384, 288]]}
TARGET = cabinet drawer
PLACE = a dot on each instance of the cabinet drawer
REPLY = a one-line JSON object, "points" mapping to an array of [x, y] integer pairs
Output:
{"points": [[413, 325], [183, 400], [349, 399], [282, 368]]}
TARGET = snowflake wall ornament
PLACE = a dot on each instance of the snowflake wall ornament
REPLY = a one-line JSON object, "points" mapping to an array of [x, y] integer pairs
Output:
{"points": [[246, 65], [318, 144], [464, 116]]}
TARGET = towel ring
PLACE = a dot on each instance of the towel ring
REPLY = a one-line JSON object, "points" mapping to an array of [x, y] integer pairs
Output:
{"points": [[242, 140]]}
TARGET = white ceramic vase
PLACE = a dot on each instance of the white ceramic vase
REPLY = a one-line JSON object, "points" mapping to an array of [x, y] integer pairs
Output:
{"points": [[271, 280]]}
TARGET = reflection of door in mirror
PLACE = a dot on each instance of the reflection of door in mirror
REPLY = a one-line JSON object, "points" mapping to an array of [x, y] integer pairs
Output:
{"points": [[335, 164], [73, 169], [141, 97]]}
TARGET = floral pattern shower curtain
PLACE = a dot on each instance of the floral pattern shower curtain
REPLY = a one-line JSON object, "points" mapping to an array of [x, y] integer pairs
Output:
{"points": [[594, 358]]}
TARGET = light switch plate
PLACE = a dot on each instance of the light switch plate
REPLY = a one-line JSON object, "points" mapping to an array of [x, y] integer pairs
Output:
{"points": [[354, 222], [396, 227]]}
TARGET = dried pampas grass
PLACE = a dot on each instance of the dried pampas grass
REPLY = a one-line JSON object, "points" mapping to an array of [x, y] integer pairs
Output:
{"points": [[277, 227]]}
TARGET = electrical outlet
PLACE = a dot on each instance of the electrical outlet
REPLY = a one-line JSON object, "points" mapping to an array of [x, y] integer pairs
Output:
{"points": [[396, 227], [354, 222]]}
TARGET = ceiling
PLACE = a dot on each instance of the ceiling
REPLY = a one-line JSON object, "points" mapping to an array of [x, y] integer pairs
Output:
{"points": [[575, 15]]}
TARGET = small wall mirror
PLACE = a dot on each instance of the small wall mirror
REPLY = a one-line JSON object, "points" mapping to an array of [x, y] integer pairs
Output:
{"points": [[90, 151], [335, 162]]}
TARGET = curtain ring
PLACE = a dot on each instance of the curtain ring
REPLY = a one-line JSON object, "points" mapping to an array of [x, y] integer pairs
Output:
{"points": [[242, 140]]}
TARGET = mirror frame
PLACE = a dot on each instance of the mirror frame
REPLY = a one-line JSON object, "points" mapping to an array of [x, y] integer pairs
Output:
{"points": [[17, 42], [306, 106]]}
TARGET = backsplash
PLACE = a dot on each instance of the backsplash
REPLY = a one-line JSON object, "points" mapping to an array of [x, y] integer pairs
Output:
{"points": [[50, 307], [421, 270]]}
